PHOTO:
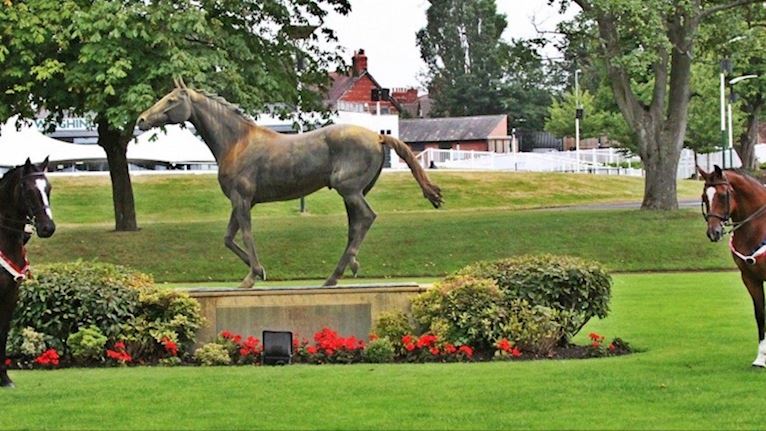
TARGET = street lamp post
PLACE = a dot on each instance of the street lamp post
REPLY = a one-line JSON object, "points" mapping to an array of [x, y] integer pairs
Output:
{"points": [[725, 68], [731, 99], [578, 111], [299, 33]]}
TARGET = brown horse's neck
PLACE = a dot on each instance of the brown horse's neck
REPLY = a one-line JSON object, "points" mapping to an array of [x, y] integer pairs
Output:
{"points": [[749, 196], [219, 124]]}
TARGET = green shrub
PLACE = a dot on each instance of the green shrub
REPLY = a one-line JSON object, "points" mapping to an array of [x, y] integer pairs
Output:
{"points": [[26, 343], [533, 329], [124, 305], [393, 326], [161, 314], [462, 310], [87, 344], [212, 354], [379, 351], [59, 299], [578, 288]]}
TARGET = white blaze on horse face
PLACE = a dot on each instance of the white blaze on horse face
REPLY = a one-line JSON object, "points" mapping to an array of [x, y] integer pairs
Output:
{"points": [[41, 185], [710, 192]]}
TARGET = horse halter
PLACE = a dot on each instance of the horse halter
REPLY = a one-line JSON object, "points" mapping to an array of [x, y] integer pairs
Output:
{"points": [[708, 215]]}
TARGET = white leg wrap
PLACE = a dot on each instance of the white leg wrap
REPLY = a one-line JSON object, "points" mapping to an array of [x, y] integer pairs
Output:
{"points": [[760, 360]]}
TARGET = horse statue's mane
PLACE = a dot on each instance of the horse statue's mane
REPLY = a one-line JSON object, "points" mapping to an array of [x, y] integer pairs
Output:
{"points": [[225, 104]]}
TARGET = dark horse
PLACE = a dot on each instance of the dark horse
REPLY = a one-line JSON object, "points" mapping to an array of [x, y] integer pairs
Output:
{"points": [[256, 165], [734, 199], [24, 201]]}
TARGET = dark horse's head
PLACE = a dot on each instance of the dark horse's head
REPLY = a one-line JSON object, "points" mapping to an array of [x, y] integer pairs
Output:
{"points": [[31, 197], [174, 108], [717, 202]]}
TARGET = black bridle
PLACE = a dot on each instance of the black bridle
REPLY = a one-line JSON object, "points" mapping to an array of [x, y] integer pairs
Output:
{"points": [[30, 217]]}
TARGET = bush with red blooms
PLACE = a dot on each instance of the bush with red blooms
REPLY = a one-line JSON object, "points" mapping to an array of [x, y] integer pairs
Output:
{"points": [[241, 351], [597, 347], [48, 359], [118, 354], [329, 347], [506, 350], [428, 348]]}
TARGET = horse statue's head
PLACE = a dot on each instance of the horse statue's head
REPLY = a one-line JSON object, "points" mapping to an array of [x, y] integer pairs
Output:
{"points": [[717, 203], [174, 108], [35, 193]]}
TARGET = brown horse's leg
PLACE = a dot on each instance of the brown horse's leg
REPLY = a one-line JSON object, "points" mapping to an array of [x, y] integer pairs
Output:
{"points": [[360, 219], [242, 210], [231, 233], [7, 304], [755, 288]]}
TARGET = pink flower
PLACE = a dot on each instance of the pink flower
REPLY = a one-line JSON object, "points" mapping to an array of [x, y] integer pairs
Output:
{"points": [[515, 352]]}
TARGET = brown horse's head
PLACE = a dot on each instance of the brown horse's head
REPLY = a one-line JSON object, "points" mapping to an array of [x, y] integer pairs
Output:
{"points": [[174, 108], [717, 201]]}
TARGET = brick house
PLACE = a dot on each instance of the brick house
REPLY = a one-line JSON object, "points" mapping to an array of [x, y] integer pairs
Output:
{"points": [[359, 91], [478, 133]]}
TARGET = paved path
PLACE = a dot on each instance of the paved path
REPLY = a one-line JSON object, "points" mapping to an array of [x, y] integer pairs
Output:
{"points": [[682, 204]]}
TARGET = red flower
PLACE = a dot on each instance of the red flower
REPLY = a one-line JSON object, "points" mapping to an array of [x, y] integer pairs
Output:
{"points": [[410, 347], [373, 337], [504, 345], [311, 350], [612, 348], [7, 362], [119, 345], [434, 351], [466, 350], [595, 337], [450, 349], [515, 352], [170, 346], [119, 354], [226, 334], [426, 340], [595, 344], [48, 357]]}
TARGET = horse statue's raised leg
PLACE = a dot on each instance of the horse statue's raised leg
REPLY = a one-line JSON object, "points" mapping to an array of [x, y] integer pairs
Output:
{"points": [[240, 217], [755, 288], [360, 219]]}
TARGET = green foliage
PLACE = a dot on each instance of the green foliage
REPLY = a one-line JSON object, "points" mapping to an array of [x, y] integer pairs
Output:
{"points": [[462, 310], [87, 344], [578, 288], [465, 61], [378, 351], [212, 354], [392, 325], [62, 298], [27, 342], [533, 328], [161, 314], [595, 123]]}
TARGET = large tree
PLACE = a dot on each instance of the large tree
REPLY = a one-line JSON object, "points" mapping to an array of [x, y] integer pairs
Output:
{"points": [[465, 56], [112, 59], [652, 42]]}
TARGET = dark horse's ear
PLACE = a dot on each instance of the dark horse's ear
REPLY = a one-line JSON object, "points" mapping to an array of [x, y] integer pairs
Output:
{"points": [[718, 171], [27, 166], [44, 165]]}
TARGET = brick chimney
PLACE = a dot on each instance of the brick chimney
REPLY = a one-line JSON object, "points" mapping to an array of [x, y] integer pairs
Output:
{"points": [[359, 63]]}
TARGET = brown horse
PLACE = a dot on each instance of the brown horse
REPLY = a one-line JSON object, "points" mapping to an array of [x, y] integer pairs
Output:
{"points": [[25, 196], [258, 165], [732, 198]]}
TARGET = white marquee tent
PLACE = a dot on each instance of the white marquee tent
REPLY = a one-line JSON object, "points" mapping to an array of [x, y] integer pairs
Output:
{"points": [[174, 146]]}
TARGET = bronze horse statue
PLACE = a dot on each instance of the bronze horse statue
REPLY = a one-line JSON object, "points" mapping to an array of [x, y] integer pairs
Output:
{"points": [[25, 196], [256, 164], [736, 200]]}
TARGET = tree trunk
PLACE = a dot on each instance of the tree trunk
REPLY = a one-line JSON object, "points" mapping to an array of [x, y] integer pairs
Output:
{"points": [[115, 144], [749, 138], [660, 181]]}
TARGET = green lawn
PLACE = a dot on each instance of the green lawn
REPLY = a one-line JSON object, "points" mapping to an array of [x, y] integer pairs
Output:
{"points": [[695, 331], [487, 215]]}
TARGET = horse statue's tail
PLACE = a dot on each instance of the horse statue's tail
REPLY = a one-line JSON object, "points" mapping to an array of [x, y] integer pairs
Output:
{"points": [[431, 191]]}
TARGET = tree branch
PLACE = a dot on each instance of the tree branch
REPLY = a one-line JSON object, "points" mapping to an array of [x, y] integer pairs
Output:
{"points": [[722, 7], [585, 5]]}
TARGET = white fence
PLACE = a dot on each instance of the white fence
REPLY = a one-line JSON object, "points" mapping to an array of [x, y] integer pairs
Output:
{"points": [[605, 161]]}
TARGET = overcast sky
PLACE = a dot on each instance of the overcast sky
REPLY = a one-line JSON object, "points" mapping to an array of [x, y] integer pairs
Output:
{"points": [[386, 30]]}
